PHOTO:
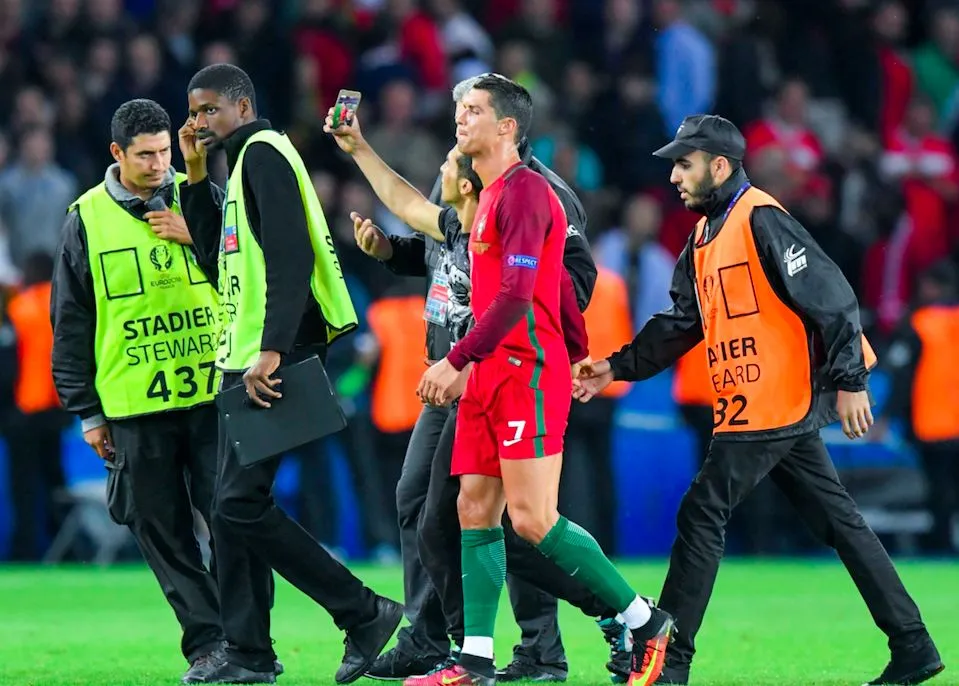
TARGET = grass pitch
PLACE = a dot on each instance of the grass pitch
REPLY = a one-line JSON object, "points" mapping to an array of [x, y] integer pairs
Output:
{"points": [[769, 623]]}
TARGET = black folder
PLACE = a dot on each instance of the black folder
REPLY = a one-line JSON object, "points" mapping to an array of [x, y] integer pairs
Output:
{"points": [[307, 411]]}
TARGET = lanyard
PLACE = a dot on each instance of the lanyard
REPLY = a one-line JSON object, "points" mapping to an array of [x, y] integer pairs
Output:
{"points": [[729, 208]]}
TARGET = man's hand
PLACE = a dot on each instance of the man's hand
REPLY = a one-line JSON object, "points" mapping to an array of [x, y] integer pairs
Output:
{"points": [[855, 413], [456, 390], [592, 379], [576, 367], [437, 385], [370, 239], [257, 378], [347, 135], [169, 226], [101, 441], [192, 148]]}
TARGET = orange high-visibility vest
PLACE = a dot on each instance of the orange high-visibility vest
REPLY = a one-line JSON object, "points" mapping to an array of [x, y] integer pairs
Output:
{"points": [[935, 387], [609, 322], [757, 347], [29, 313], [397, 325]]}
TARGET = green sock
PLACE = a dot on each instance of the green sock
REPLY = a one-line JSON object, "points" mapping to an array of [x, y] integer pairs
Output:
{"points": [[484, 573], [577, 553]]}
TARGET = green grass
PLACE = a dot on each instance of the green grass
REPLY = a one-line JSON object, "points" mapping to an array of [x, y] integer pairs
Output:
{"points": [[770, 623]]}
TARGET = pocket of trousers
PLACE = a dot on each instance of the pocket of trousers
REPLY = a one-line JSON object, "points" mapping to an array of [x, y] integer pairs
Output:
{"points": [[119, 490]]}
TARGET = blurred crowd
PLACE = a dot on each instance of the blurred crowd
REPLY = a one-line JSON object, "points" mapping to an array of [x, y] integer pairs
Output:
{"points": [[850, 109]]}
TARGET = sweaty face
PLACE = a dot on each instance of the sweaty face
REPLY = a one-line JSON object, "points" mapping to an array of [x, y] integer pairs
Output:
{"points": [[146, 160], [477, 127], [693, 177], [215, 115]]}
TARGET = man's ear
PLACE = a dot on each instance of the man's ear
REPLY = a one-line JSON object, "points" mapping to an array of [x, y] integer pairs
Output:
{"points": [[116, 151], [723, 164]]}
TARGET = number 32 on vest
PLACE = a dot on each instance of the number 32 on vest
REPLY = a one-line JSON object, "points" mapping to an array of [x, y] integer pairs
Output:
{"points": [[733, 364]]}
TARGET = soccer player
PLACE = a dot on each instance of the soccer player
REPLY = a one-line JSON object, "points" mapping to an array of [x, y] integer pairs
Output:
{"points": [[786, 357], [448, 302], [424, 642], [512, 416]]}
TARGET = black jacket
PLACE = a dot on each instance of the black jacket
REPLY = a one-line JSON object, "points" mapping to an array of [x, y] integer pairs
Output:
{"points": [[73, 305], [416, 255], [820, 294], [278, 223]]}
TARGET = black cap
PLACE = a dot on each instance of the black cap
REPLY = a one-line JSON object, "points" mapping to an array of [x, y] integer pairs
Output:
{"points": [[709, 133]]}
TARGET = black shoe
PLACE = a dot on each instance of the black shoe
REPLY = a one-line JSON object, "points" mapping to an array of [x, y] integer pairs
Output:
{"points": [[225, 672], [524, 670], [202, 667], [395, 665], [911, 666], [620, 641], [365, 642]]}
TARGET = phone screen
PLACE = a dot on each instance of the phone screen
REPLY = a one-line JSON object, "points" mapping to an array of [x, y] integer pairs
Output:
{"points": [[346, 103]]}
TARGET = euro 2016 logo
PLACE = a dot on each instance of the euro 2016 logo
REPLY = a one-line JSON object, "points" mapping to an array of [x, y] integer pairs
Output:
{"points": [[161, 258]]}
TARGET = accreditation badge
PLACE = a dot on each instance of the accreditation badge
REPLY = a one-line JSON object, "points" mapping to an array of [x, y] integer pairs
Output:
{"points": [[438, 299]]}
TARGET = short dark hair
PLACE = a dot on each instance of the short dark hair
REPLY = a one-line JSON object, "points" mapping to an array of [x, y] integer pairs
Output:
{"points": [[137, 117], [225, 79], [464, 170], [734, 165], [509, 99]]}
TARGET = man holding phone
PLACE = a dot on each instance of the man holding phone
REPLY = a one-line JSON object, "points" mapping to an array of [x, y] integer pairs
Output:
{"points": [[283, 299], [540, 655], [128, 292], [448, 305]]}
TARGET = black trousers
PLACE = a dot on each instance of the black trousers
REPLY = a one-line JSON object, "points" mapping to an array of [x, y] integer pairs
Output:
{"points": [[426, 633], [699, 419], [802, 469], [35, 467], [535, 582], [254, 536], [587, 494], [164, 466], [940, 464], [757, 527]]}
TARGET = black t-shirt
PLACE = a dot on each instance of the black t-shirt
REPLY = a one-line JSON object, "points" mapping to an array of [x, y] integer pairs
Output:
{"points": [[453, 266]]}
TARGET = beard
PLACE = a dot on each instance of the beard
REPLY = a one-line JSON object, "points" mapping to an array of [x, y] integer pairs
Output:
{"points": [[209, 140], [703, 195]]}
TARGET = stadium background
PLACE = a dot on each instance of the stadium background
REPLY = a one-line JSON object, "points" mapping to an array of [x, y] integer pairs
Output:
{"points": [[832, 95]]}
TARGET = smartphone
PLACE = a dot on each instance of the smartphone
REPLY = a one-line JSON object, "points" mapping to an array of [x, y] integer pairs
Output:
{"points": [[346, 104]]}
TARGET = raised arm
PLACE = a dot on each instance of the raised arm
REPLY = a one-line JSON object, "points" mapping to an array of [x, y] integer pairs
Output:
{"points": [[395, 192]]}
